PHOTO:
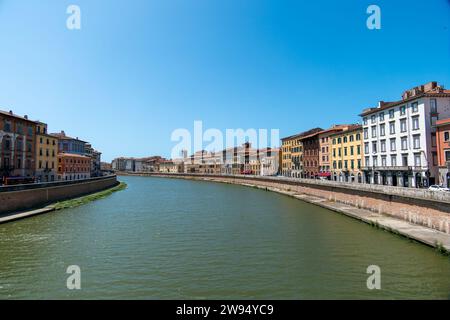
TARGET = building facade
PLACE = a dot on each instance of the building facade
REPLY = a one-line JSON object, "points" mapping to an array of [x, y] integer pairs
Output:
{"points": [[96, 160], [70, 145], [46, 154], [311, 147], [73, 167], [286, 161], [169, 166], [400, 147], [325, 150], [17, 147], [347, 154], [443, 151]]}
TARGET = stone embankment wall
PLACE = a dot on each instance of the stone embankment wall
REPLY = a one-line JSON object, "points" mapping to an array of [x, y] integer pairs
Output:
{"points": [[422, 207], [25, 197]]}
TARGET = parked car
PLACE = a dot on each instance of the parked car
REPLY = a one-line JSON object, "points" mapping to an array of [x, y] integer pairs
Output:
{"points": [[435, 187]]}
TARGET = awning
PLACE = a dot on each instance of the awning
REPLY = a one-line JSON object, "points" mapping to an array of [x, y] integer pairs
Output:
{"points": [[324, 174]]}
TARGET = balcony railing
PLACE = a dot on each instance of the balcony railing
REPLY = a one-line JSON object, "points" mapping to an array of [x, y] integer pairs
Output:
{"points": [[392, 168]]}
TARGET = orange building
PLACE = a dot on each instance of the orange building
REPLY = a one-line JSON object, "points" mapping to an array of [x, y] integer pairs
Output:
{"points": [[443, 151], [73, 166]]}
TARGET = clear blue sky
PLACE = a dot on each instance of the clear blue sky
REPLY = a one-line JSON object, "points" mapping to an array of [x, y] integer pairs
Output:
{"points": [[137, 70]]}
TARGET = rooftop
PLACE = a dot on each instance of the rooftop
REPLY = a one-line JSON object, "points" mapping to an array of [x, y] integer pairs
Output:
{"points": [[13, 115], [430, 89], [62, 135]]}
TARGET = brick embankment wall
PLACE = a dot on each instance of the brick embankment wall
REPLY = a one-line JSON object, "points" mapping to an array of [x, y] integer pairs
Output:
{"points": [[428, 212], [32, 197]]}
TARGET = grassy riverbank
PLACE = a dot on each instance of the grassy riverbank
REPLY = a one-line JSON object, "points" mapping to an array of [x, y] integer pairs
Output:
{"points": [[86, 199]]}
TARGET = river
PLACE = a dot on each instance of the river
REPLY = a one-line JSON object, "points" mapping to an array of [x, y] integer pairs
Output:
{"points": [[178, 239]]}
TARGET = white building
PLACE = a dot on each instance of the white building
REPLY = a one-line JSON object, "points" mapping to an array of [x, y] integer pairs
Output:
{"points": [[400, 137]]}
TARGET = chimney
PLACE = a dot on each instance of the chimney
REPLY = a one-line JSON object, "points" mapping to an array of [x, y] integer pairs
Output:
{"points": [[380, 104], [26, 117], [10, 112]]}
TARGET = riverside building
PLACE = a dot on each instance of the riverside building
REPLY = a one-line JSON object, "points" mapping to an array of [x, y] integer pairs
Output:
{"points": [[46, 154], [311, 147], [400, 147], [325, 150], [346, 154], [17, 148], [443, 151]]}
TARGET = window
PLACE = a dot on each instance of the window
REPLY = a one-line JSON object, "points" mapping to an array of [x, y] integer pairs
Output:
{"points": [[416, 141], [367, 161], [375, 161], [351, 138], [405, 160], [446, 136], [7, 126], [358, 136], [366, 133], [394, 161], [359, 163], [404, 143], [366, 148], [433, 106], [358, 149], [352, 150], [383, 145], [392, 127], [393, 145], [435, 161], [345, 139], [391, 113], [415, 107], [365, 121], [352, 164], [402, 110], [433, 120], [374, 132], [382, 130], [403, 125], [447, 155], [372, 119], [417, 160], [382, 116], [383, 162], [345, 151], [374, 147], [415, 123]]}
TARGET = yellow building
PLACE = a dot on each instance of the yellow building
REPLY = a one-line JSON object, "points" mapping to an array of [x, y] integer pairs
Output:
{"points": [[46, 154], [286, 160], [347, 154]]}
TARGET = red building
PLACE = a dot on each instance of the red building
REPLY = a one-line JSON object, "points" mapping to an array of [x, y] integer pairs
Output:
{"points": [[73, 167], [311, 147], [443, 151], [17, 148]]}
